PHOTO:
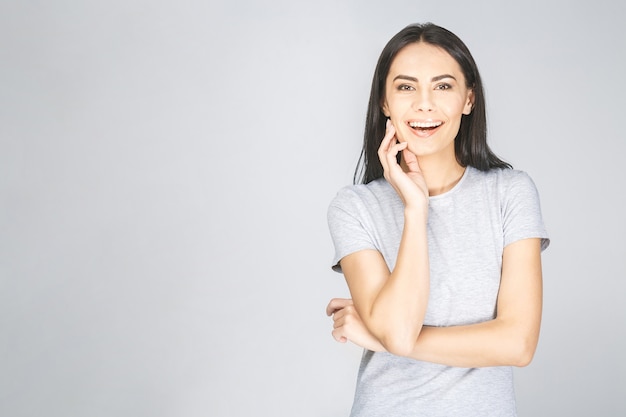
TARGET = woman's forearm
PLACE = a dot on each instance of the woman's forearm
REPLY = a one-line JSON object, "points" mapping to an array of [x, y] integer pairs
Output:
{"points": [[397, 313], [492, 343], [509, 339]]}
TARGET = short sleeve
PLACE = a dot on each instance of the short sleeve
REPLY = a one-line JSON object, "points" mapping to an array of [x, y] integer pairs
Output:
{"points": [[521, 211], [347, 226]]}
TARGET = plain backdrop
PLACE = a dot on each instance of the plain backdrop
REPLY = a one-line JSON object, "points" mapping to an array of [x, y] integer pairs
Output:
{"points": [[165, 169]]}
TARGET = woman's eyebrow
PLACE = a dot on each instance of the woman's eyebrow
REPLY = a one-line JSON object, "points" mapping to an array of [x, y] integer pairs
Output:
{"points": [[441, 77], [405, 77], [434, 79]]}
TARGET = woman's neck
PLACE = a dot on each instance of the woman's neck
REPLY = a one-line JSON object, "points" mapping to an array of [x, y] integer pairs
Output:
{"points": [[440, 175]]}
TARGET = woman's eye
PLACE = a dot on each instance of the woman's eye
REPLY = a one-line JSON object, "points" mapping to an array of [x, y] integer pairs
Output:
{"points": [[405, 87], [443, 86]]}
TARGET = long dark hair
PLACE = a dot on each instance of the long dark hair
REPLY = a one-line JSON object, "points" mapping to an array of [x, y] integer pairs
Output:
{"points": [[470, 144]]}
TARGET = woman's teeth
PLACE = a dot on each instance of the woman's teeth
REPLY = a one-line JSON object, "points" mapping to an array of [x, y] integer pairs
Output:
{"points": [[424, 125]]}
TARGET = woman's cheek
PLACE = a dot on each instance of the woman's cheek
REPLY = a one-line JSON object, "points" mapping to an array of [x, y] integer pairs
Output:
{"points": [[399, 133]]}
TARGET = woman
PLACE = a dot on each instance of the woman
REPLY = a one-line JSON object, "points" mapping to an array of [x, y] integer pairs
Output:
{"points": [[440, 243]]}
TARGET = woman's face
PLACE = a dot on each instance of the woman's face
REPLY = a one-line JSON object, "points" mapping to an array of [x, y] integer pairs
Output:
{"points": [[425, 98]]}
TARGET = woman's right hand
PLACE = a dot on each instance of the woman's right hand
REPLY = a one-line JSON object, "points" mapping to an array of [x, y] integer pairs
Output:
{"points": [[410, 184], [348, 326]]}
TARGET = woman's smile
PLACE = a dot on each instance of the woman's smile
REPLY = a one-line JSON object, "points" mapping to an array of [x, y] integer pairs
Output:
{"points": [[425, 129], [426, 97]]}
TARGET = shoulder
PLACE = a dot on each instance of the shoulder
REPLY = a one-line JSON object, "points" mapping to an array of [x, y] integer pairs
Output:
{"points": [[505, 180], [371, 206], [512, 177], [356, 213], [499, 174], [361, 195], [520, 206]]}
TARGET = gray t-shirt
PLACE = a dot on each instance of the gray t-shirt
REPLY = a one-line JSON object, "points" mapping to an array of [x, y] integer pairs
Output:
{"points": [[468, 228]]}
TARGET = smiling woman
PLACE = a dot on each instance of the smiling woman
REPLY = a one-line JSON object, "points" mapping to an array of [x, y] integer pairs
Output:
{"points": [[440, 243], [435, 81]]}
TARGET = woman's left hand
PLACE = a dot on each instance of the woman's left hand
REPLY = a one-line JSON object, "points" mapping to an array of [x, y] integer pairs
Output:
{"points": [[349, 326]]}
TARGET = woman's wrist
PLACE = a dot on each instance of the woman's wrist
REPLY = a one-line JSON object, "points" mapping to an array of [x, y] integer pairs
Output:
{"points": [[416, 212]]}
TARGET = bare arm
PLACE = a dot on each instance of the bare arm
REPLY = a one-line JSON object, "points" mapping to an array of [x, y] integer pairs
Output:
{"points": [[392, 304], [509, 339]]}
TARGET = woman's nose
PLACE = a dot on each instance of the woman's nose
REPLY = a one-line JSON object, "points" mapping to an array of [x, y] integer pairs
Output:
{"points": [[423, 101]]}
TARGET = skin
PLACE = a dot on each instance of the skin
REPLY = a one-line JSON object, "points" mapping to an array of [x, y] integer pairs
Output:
{"points": [[387, 309], [425, 84]]}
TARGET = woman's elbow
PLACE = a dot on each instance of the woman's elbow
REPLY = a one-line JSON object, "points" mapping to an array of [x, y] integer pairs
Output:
{"points": [[400, 344], [523, 351]]}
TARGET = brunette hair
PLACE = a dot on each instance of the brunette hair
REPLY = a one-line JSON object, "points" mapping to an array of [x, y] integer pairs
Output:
{"points": [[470, 144]]}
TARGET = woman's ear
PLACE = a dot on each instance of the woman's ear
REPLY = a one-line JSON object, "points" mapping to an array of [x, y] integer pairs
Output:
{"points": [[385, 109], [469, 104]]}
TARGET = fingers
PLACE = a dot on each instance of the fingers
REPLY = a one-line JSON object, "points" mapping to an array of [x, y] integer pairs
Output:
{"points": [[338, 336], [348, 326], [410, 160], [383, 149], [388, 152], [391, 157], [340, 319], [390, 132], [337, 304], [344, 316]]}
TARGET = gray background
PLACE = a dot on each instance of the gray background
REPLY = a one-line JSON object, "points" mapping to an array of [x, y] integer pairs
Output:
{"points": [[165, 169]]}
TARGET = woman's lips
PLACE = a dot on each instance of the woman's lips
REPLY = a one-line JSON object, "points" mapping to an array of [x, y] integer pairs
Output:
{"points": [[424, 129]]}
